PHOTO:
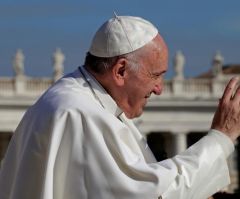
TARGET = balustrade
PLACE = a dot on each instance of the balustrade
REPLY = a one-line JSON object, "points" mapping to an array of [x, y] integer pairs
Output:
{"points": [[178, 86]]}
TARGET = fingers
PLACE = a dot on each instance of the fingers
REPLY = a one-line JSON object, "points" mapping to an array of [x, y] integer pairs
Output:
{"points": [[227, 115], [236, 97], [229, 90]]}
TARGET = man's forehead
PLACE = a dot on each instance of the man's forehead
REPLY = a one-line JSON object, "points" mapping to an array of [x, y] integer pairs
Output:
{"points": [[158, 58]]}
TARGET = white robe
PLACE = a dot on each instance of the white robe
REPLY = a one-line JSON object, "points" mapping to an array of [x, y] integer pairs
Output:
{"points": [[75, 143]]}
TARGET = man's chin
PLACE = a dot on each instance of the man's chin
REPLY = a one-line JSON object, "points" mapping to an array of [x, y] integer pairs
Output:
{"points": [[134, 115]]}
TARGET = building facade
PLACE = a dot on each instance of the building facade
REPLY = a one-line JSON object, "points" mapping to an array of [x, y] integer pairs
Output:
{"points": [[171, 122]]}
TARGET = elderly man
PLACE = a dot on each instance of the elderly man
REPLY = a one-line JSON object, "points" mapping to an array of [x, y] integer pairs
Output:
{"points": [[77, 140]]}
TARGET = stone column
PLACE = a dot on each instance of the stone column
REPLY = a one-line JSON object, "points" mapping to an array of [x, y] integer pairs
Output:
{"points": [[20, 85], [217, 88], [177, 86], [179, 142]]}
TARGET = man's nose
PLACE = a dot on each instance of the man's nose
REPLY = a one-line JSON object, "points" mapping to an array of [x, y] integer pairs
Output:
{"points": [[158, 89]]}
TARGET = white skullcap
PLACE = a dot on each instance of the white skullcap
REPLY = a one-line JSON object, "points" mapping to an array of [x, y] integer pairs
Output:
{"points": [[121, 35]]}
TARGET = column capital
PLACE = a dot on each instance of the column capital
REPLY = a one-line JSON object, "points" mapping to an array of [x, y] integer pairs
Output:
{"points": [[179, 132]]}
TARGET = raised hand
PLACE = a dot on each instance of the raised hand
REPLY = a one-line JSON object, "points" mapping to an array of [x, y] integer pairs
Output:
{"points": [[227, 115]]}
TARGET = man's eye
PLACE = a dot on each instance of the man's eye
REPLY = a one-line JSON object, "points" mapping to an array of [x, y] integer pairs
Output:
{"points": [[156, 76]]}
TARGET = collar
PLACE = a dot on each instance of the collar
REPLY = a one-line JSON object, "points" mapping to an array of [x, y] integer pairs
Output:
{"points": [[100, 93]]}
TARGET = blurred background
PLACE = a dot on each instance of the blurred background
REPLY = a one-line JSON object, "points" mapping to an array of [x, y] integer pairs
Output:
{"points": [[42, 40], [197, 28]]}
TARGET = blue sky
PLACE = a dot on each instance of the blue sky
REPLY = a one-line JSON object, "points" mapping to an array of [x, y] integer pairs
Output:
{"points": [[198, 28]]}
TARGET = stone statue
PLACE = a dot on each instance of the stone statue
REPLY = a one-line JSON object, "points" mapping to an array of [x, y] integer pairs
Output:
{"points": [[178, 63], [18, 63], [217, 64], [58, 59]]}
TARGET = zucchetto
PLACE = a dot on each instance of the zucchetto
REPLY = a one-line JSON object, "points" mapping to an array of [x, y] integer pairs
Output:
{"points": [[121, 35]]}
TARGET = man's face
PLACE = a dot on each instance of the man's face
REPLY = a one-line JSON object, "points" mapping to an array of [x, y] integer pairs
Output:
{"points": [[147, 79]]}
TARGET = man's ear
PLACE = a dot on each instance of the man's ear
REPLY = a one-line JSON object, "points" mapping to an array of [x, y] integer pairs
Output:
{"points": [[119, 71]]}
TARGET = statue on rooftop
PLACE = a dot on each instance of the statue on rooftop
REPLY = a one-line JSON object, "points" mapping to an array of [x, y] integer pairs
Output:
{"points": [[58, 59], [178, 63], [18, 63]]}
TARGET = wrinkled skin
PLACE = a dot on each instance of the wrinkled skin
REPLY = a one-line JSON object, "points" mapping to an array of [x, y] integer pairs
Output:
{"points": [[227, 115]]}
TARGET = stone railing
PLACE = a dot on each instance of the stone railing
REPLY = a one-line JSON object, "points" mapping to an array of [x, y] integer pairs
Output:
{"points": [[178, 87], [24, 86], [193, 88], [187, 88], [6, 86], [38, 85]]}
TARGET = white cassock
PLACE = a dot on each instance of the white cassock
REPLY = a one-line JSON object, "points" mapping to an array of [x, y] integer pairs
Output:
{"points": [[75, 143]]}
